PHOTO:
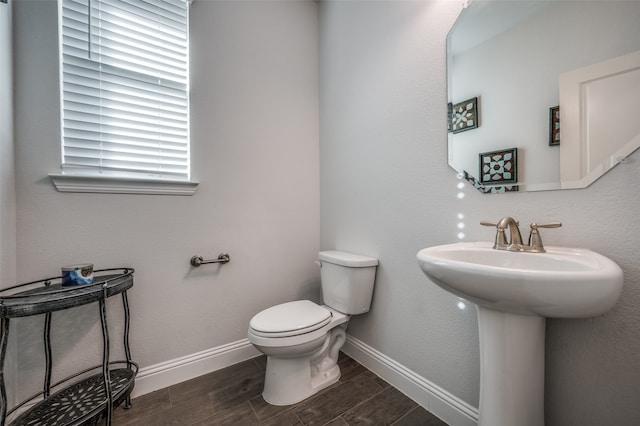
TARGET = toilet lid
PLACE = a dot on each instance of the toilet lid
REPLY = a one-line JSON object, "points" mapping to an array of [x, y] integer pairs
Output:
{"points": [[291, 318]]}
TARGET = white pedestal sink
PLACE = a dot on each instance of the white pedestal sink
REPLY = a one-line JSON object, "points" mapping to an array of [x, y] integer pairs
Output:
{"points": [[514, 292]]}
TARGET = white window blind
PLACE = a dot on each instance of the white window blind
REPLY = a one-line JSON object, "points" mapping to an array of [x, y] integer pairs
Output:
{"points": [[125, 88]]}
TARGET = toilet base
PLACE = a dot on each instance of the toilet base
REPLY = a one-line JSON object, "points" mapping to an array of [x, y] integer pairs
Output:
{"points": [[289, 381]]}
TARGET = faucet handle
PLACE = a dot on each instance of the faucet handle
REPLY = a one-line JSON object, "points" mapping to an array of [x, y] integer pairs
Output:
{"points": [[535, 242], [487, 223], [500, 242], [546, 225]]}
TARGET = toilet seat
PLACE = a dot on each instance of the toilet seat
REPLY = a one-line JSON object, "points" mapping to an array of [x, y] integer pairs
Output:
{"points": [[290, 319]]}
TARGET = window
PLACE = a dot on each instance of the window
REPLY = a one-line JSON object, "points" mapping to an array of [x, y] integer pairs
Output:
{"points": [[125, 85]]}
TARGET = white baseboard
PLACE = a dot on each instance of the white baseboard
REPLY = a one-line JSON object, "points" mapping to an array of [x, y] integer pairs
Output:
{"points": [[451, 409], [448, 407], [165, 374]]}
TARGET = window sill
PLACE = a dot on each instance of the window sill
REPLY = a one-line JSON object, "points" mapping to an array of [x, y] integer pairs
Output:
{"points": [[111, 185]]}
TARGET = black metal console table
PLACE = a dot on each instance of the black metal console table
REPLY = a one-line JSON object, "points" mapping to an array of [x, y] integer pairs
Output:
{"points": [[90, 395]]}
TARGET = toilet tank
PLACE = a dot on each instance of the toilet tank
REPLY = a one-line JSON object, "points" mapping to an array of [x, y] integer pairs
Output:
{"points": [[347, 281]]}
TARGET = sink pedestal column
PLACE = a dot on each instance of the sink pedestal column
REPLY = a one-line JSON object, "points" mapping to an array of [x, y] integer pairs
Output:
{"points": [[511, 368]]}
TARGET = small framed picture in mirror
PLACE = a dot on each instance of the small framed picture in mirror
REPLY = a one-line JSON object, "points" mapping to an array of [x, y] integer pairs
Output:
{"points": [[463, 116], [554, 125], [498, 167]]}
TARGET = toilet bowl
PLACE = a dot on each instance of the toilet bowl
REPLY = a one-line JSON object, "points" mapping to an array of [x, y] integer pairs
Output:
{"points": [[302, 339], [302, 361]]}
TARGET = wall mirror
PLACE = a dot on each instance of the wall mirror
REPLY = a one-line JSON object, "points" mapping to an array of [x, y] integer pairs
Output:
{"points": [[512, 127]]}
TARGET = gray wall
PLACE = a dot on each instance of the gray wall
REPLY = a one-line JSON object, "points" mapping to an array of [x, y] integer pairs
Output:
{"points": [[386, 191], [254, 95], [7, 173]]}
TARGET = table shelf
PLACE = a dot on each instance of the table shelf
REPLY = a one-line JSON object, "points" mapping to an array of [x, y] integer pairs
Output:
{"points": [[81, 402], [84, 397]]}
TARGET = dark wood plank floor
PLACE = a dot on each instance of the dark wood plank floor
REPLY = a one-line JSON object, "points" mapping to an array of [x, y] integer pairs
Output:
{"points": [[232, 396]]}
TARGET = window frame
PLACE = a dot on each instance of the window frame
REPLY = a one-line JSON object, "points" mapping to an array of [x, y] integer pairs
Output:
{"points": [[114, 182]]}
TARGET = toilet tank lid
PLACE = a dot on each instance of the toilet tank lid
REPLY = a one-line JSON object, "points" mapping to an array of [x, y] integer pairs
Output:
{"points": [[347, 259]]}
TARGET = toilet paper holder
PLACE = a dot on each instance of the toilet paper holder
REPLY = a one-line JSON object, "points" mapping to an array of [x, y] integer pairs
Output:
{"points": [[198, 260]]}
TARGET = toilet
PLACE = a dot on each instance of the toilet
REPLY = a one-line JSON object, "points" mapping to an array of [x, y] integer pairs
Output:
{"points": [[302, 339]]}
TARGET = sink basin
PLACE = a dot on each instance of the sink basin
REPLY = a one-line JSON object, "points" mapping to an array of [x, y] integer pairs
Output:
{"points": [[561, 283], [515, 292]]}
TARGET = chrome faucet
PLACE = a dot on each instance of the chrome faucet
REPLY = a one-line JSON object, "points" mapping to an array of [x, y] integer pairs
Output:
{"points": [[515, 238]]}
